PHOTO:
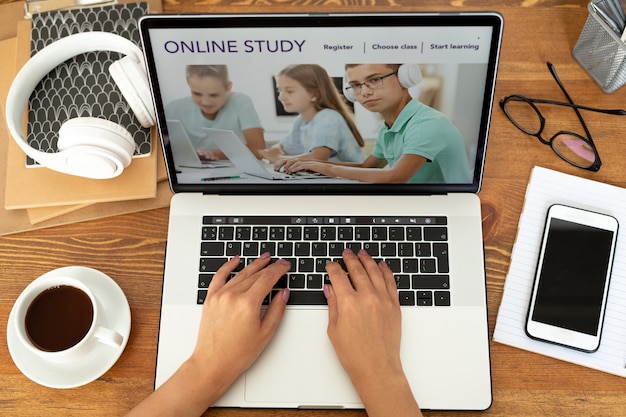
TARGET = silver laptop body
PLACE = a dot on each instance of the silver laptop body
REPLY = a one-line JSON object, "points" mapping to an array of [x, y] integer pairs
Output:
{"points": [[445, 350]]}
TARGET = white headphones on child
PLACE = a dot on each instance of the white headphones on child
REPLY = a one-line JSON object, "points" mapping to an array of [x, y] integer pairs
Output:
{"points": [[409, 75], [88, 146]]}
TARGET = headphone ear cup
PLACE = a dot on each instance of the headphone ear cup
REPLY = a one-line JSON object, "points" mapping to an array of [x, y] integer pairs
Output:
{"points": [[94, 148], [133, 83], [347, 92], [409, 75]]}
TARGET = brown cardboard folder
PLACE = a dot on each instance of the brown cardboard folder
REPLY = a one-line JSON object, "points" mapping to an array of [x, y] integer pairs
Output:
{"points": [[18, 220]]}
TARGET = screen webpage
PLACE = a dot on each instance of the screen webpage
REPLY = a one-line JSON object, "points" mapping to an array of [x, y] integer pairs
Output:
{"points": [[401, 105]]}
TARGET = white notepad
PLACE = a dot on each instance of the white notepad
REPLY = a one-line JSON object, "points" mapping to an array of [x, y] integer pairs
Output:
{"points": [[547, 187]]}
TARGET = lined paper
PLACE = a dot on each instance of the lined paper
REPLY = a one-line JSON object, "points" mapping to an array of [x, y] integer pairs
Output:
{"points": [[547, 187]]}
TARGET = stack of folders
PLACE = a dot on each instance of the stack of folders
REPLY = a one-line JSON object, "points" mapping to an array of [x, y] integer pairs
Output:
{"points": [[36, 197]]}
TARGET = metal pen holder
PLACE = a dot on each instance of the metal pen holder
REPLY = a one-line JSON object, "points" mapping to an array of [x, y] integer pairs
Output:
{"points": [[600, 49]]}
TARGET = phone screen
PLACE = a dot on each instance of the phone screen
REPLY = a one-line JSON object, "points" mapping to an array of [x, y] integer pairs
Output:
{"points": [[573, 276]]}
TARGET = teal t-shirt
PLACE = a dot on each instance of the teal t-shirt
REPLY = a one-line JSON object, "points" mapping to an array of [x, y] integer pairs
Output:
{"points": [[237, 114], [424, 131]]}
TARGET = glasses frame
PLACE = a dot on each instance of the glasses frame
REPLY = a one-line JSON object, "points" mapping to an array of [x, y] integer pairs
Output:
{"points": [[357, 88], [595, 166]]}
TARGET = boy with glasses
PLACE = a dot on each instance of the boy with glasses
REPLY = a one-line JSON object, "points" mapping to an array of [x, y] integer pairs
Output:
{"points": [[418, 143]]}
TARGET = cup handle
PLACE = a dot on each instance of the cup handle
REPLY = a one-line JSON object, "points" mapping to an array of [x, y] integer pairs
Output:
{"points": [[109, 337]]}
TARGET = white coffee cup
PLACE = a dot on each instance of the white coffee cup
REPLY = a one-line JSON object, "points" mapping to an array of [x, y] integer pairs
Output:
{"points": [[39, 341]]}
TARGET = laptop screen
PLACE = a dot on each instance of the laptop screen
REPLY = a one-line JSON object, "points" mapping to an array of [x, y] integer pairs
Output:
{"points": [[341, 99]]}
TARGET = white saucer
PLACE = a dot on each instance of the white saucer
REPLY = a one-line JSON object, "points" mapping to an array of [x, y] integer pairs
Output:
{"points": [[115, 315]]}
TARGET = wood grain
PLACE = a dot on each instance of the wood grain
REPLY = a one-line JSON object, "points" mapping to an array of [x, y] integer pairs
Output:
{"points": [[130, 248]]}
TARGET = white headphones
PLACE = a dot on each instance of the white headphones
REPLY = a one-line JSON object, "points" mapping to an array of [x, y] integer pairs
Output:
{"points": [[88, 146], [409, 75]]}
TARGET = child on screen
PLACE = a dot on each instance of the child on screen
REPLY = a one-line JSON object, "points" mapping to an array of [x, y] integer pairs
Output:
{"points": [[213, 104], [324, 129]]}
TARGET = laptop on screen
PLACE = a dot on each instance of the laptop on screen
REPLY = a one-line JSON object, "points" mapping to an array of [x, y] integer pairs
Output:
{"points": [[245, 161], [184, 153], [428, 231]]}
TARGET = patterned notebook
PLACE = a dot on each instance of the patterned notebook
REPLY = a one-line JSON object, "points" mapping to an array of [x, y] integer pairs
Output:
{"points": [[82, 86]]}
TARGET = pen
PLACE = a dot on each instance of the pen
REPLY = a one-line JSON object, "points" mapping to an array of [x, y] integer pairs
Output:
{"points": [[606, 19], [617, 12], [230, 177]]}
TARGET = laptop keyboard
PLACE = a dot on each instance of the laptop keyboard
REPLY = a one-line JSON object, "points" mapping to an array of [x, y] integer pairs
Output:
{"points": [[415, 248]]}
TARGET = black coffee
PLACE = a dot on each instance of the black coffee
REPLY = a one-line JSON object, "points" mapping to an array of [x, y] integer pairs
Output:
{"points": [[59, 318]]}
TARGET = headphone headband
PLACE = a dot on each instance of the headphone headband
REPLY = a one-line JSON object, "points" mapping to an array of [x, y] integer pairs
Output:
{"points": [[45, 61]]}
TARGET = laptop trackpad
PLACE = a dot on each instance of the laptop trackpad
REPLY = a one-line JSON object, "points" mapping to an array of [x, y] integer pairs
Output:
{"points": [[299, 367]]}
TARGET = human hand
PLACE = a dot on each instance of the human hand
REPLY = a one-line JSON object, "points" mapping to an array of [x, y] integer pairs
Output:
{"points": [[297, 165], [285, 164], [272, 154], [232, 333], [211, 154], [364, 315], [364, 327], [231, 336]]}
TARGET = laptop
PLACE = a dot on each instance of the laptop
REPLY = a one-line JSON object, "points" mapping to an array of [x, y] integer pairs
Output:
{"points": [[429, 233], [244, 160], [183, 152]]}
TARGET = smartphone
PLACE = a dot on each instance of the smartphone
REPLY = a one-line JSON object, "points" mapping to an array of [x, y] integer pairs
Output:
{"points": [[571, 284]]}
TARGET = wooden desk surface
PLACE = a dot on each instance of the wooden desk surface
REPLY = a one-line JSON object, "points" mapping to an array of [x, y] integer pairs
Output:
{"points": [[130, 248]]}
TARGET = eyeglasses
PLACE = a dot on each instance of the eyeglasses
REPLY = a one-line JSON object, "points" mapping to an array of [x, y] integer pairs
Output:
{"points": [[573, 148], [373, 83]]}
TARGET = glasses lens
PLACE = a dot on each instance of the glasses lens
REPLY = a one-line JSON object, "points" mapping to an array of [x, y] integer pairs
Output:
{"points": [[574, 149], [374, 83], [523, 115]]}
